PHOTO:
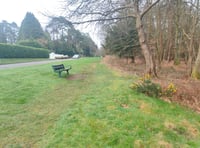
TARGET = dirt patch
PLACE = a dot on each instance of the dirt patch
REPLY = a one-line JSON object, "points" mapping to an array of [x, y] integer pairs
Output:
{"points": [[83, 74], [188, 90], [77, 77]]}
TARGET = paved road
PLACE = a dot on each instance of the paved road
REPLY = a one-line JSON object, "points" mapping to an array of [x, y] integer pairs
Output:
{"points": [[7, 66]]}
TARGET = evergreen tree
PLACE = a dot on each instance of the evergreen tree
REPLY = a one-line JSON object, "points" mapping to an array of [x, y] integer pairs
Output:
{"points": [[30, 28], [2, 33], [8, 32], [88, 45], [67, 40], [122, 39]]}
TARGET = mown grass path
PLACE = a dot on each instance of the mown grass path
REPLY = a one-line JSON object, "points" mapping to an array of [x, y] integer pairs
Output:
{"points": [[96, 109]]}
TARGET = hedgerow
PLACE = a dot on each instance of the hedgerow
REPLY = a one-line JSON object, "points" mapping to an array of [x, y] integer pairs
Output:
{"points": [[18, 51]]}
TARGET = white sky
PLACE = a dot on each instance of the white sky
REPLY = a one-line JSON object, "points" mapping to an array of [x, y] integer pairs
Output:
{"points": [[15, 11]]}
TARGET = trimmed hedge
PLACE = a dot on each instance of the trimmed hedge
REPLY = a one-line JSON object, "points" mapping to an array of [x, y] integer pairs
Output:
{"points": [[30, 43], [17, 51]]}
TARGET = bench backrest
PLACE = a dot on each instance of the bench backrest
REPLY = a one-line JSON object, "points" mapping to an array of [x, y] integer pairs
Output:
{"points": [[58, 67]]}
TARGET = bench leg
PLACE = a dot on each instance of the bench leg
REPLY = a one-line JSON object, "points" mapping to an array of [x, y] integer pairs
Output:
{"points": [[67, 71], [59, 74]]}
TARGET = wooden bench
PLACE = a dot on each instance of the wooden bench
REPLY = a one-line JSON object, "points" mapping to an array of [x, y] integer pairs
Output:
{"points": [[60, 68]]}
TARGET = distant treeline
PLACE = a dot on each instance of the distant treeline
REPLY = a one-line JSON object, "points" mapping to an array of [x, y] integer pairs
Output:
{"points": [[59, 36]]}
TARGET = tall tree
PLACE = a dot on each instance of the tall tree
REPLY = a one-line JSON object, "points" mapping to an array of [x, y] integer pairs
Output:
{"points": [[195, 70], [122, 38], [190, 34], [104, 11], [67, 40], [62, 32], [8, 32], [30, 28], [196, 67], [3, 38], [176, 31], [88, 46], [58, 27]]}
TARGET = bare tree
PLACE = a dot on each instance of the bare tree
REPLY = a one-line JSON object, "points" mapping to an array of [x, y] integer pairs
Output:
{"points": [[191, 34], [87, 11], [196, 67], [195, 70]]}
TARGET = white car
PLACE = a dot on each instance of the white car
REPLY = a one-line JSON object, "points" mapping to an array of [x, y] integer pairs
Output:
{"points": [[76, 56]]}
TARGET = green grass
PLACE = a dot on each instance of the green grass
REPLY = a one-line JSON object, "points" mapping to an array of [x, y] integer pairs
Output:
{"points": [[38, 109], [19, 60]]}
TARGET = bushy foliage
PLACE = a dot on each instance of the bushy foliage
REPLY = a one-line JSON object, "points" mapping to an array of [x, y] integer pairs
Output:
{"points": [[122, 39], [31, 43], [65, 39], [16, 51], [170, 90], [149, 88], [8, 32]]}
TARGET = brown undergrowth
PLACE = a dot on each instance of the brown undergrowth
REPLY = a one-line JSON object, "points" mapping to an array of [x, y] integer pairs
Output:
{"points": [[188, 89]]}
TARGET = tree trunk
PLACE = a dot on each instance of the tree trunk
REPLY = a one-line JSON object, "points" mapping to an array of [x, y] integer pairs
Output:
{"points": [[150, 67], [196, 68], [190, 53], [160, 47], [195, 71]]}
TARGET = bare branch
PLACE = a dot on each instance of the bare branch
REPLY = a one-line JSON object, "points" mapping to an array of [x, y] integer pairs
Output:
{"points": [[101, 20], [148, 8]]}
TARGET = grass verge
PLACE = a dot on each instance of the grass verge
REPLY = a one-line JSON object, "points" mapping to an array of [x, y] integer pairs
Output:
{"points": [[98, 109]]}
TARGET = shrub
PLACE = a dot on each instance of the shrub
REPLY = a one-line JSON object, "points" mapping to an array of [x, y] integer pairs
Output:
{"points": [[16, 51], [170, 90], [147, 87]]}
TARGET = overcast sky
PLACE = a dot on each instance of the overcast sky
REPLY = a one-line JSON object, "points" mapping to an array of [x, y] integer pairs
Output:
{"points": [[15, 11]]}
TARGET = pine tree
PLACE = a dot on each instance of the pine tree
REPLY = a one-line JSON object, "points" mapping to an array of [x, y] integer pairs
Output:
{"points": [[30, 28]]}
